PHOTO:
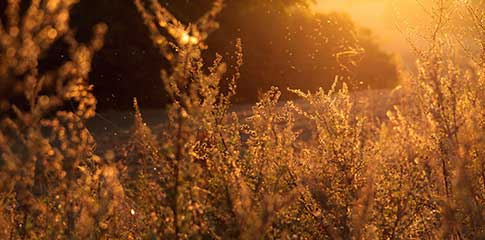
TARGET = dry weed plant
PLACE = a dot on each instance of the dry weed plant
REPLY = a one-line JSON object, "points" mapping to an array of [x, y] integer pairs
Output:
{"points": [[417, 174], [53, 185]]}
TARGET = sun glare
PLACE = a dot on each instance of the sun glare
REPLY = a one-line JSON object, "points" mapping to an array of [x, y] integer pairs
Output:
{"points": [[385, 18]]}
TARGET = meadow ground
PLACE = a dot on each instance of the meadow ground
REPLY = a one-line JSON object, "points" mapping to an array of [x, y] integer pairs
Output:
{"points": [[113, 127]]}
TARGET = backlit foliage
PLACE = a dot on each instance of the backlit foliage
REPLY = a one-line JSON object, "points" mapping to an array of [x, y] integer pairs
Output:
{"points": [[322, 167], [52, 183]]}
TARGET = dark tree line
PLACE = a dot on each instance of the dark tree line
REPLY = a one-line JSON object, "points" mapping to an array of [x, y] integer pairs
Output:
{"points": [[284, 45]]}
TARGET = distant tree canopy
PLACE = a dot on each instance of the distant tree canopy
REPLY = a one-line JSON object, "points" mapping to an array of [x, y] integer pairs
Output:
{"points": [[284, 44]]}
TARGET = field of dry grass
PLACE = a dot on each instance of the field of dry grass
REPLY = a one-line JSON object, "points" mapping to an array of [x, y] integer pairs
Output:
{"points": [[112, 126], [407, 163]]}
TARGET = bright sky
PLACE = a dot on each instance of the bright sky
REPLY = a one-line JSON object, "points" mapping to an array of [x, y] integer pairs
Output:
{"points": [[383, 17]]}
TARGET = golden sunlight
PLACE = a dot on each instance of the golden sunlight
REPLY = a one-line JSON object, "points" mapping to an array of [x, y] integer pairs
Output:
{"points": [[389, 20], [242, 119]]}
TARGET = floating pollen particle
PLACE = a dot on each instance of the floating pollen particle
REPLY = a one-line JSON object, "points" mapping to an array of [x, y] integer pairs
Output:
{"points": [[185, 38]]}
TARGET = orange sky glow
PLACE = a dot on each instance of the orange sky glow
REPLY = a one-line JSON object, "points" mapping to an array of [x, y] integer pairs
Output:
{"points": [[386, 18]]}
